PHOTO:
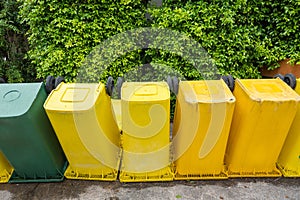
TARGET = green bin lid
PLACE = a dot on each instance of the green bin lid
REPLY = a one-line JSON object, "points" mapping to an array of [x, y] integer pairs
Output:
{"points": [[17, 98]]}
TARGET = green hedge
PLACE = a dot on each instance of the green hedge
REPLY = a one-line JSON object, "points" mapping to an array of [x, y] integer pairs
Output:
{"points": [[240, 36], [63, 33], [14, 67]]}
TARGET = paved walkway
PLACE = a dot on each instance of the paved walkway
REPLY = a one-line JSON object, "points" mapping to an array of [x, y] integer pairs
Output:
{"points": [[254, 188]]}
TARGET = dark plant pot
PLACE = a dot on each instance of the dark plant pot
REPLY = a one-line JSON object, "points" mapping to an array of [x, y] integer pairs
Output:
{"points": [[285, 68]]}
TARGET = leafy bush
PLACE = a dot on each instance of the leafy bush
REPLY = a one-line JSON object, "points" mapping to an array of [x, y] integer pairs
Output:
{"points": [[240, 36], [63, 33], [281, 29], [248, 34], [13, 45]]}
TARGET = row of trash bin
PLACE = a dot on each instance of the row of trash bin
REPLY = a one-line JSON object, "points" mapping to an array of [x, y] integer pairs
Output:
{"points": [[79, 132]]}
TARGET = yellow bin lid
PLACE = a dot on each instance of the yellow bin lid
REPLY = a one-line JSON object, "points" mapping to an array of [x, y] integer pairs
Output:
{"points": [[145, 91], [267, 89], [68, 97], [208, 91]]}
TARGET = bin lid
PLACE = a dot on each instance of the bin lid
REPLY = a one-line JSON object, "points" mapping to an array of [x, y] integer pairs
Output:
{"points": [[17, 98], [267, 89], [145, 91], [206, 91], [68, 97]]}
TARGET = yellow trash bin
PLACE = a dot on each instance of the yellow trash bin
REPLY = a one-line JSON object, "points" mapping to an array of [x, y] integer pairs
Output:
{"points": [[6, 169], [145, 132], [116, 104], [289, 158], [264, 111], [82, 117], [201, 126]]}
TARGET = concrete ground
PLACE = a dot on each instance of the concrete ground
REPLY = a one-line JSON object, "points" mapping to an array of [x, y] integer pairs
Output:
{"points": [[246, 188]]}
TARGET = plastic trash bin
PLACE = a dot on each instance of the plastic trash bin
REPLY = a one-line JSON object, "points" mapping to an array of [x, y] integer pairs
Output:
{"points": [[264, 111], [145, 132], [116, 104], [6, 169], [289, 158], [27, 138], [201, 127], [82, 117]]}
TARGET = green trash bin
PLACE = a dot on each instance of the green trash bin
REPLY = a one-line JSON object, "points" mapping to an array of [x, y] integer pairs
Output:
{"points": [[26, 135]]}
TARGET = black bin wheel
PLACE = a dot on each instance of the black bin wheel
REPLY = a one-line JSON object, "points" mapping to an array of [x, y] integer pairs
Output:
{"points": [[2, 80], [170, 83], [175, 84], [109, 86], [50, 83], [59, 80], [279, 76], [290, 79], [229, 80], [119, 84]]}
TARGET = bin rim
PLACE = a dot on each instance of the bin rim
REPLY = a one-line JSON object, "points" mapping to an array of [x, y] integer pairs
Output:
{"points": [[22, 111], [72, 109], [227, 98], [161, 84], [289, 93]]}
